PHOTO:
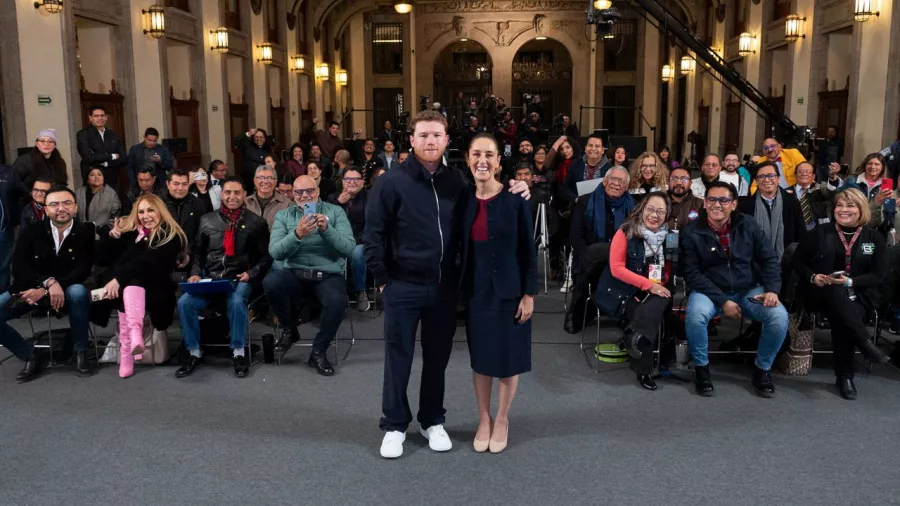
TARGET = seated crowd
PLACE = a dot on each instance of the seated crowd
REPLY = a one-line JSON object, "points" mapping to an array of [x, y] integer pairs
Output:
{"points": [[738, 236]]}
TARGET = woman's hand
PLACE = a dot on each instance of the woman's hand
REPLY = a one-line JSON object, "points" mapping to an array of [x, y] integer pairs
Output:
{"points": [[834, 169], [112, 289], [558, 143], [526, 308], [116, 231], [882, 196], [821, 280], [659, 290]]}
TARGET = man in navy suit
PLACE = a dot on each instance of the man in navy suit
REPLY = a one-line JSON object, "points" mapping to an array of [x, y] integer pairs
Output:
{"points": [[99, 146]]}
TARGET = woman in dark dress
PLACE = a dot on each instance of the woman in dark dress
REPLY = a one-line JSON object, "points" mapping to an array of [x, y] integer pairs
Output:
{"points": [[149, 242], [500, 281]]}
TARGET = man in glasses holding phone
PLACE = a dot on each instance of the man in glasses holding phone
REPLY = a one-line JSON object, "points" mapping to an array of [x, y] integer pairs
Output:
{"points": [[52, 260], [732, 270], [311, 241]]}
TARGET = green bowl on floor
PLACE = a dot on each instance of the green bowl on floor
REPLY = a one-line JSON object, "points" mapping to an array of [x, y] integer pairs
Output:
{"points": [[610, 353]]}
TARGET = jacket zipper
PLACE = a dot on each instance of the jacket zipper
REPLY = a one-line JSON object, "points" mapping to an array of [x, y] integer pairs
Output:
{"points": [[441, 232]]}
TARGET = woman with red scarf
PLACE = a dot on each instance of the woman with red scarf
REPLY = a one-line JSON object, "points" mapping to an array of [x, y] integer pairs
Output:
{"points": [[560, 159]]}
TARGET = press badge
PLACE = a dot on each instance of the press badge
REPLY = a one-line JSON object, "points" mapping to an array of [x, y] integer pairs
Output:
{"points": [[655, 273], [868, 248]]}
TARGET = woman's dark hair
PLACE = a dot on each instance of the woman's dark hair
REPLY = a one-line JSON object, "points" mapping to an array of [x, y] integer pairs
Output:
{"points": [[664, 148], [266, 144], [484, 136], [56, 163], [575, 147], [295, 146], [635, 220], [212, 166], [872, 156]]}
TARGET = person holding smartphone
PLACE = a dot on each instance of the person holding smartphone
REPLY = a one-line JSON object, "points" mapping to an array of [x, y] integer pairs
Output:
{"points": [[636, 283], [232, 244], [871, 179], [841, 268]]}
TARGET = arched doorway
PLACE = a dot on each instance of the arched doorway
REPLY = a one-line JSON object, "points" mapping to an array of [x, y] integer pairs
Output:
{"points": [[462, 73], [542, 68]]}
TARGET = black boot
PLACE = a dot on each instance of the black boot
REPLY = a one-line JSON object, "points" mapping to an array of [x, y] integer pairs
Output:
{"points": [[873, 353], [703, 384], [84, 366], [32, 368], [572, 324], [319, 360], [846, 387], [646, 381], [762, 382], [287, 339]]}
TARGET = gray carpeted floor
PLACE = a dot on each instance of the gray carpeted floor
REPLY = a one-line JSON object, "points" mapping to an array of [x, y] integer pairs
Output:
{"points": [[285, 435]]}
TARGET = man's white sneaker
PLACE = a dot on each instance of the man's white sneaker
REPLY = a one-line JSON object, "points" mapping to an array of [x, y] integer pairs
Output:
{"points": [[567, 286], [437, 437], [392, 444]]}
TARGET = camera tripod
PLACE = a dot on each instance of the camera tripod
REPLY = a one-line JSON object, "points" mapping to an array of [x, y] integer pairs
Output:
{"points": [[540, 230]]}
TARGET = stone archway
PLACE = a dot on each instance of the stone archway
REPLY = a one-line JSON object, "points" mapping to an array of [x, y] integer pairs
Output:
{"points": [[462, 73], [542, 68]]}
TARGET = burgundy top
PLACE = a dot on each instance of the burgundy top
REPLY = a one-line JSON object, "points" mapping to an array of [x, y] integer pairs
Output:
{"points": [[480, 225]]}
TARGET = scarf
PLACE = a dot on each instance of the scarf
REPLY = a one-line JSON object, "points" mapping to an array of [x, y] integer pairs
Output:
{"points": [[563, 170], [596, 211], [231, 218], [38, 210], [142, 232], [771, 223], [593, 172]]}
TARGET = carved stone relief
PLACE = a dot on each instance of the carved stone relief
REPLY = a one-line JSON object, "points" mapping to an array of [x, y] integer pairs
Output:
{"points": [[434, 30], [504, 32], [502, 6]]}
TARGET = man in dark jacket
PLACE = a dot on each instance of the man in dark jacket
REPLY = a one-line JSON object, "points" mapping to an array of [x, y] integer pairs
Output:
{"points": [[595, 220], [389, 134], [685, 206], [352, 198], [187, 209], [12, 193], [329, 140], [731, 268], [366, 159], [593, 166], [146, 183], [33, 212], [149, 153], [53, 258], [776, 211], [233, 244], [411, 241], [99, 146]]}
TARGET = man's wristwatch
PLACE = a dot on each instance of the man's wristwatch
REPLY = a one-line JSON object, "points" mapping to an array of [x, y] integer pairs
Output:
{"points": [[48, 283]]}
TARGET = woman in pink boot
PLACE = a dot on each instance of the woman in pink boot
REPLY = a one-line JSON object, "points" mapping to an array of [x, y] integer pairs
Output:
{"points": [[148, 243]]}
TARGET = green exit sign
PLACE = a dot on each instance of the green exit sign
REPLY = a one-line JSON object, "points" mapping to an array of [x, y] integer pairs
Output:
{"points": [[44, 100]]}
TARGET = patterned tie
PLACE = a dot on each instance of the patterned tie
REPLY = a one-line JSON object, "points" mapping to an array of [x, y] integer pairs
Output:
{"points": [[804, 206]]}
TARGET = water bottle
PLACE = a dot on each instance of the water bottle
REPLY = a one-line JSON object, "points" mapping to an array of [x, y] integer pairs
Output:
{"points": [[268, 342], [682, 354]]}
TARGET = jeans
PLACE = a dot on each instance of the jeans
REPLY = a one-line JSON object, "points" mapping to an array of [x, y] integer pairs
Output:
{"points": [[358, 268], [405, 306], [701, 310], [284, 291], [7, 241], [189, 307], [77, 305]]}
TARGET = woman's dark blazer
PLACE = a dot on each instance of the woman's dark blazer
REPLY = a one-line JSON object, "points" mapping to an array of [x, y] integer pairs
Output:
{"points": [[511, 239]]}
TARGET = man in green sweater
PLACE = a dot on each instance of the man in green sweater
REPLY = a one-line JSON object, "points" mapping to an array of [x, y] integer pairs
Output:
{"points": [[310, 250]]}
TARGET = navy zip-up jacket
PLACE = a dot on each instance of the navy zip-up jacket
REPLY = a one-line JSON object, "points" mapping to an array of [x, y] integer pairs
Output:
{"points": [[412, 224], [709, 271]]}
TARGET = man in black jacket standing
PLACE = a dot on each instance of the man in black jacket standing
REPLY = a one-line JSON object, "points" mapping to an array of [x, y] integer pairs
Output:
{"points": [[12, 193], [411, 240], [53, 258], [733, 271], [99, 146], [233, 244], [149, 153]]}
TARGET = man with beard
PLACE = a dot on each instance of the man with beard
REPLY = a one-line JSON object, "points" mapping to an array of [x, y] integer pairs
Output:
{"points": [[710, 172], [53, 259], [366, 160], [525, 155], [685, 205], [99, 146], [735, 174]]}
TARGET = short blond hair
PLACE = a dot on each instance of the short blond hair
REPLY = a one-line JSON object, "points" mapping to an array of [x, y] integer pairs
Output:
{"points": [[427, 116], [854, 196]]}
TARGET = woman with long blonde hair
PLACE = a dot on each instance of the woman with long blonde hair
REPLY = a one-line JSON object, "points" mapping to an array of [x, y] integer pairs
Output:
{"points": [[648, 174], [147, 243]]}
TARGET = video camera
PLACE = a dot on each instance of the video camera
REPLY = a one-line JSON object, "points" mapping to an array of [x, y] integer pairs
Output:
{"points": [[423, 102], [603, 20], [527, 98], [403, 121]]}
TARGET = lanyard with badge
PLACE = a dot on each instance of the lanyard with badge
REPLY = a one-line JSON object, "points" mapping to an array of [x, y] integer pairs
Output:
{"points": [[655, 268], [848, 249]]}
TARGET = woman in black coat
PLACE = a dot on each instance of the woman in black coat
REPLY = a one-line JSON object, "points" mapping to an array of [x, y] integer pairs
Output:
{"points": [[254, 146], [149, 242], [499, 281], [43, 162], [841, 268]]}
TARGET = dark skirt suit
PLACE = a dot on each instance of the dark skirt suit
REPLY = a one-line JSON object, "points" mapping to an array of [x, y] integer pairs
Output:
{"points": [[822, 252], [499, 268]]}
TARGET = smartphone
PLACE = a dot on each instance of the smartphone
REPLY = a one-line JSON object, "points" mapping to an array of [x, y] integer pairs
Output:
{"points": [[754, 300], [309, 209], [837, 274], [507, 150], [887, 184]]}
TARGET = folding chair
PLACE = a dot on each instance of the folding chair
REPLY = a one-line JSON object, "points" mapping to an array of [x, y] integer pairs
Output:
{"points": [[51, 315], [216, 309]]}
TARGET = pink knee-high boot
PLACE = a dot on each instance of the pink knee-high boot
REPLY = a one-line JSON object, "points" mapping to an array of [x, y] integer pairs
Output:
{"points": [[126, 361], [134, 299]]}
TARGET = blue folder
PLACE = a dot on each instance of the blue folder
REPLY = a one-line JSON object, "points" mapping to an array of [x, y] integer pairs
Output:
{"points": [[208, 287]]}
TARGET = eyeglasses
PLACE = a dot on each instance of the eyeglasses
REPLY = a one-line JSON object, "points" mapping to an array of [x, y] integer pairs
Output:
{"points": [[266, 178], [305, 191], [46, 141], [769, 147], [352, 179], [64, 203], [39, 192], [682, 179], [719, 200], [763, 177], [658, 212], [617, 180], [648, 166]]}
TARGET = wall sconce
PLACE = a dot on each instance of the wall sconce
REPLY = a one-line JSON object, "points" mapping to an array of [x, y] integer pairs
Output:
{"points": [[688, 65], [322, 72], [341, 77], [49, 6], [298, 63], [610, 35], [265, 53], [793, 28], [745, 44], [667, 73], [540, 37], [403, 7], [862, 10], [219, 40], [602, 5], [155, 18]]}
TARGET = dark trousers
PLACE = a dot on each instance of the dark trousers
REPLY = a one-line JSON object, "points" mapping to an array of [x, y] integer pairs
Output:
{"points": [[558, 230], [644, 319], [848, 325], [405, 305], [77, 304], [588, 272], [286, 294]]}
